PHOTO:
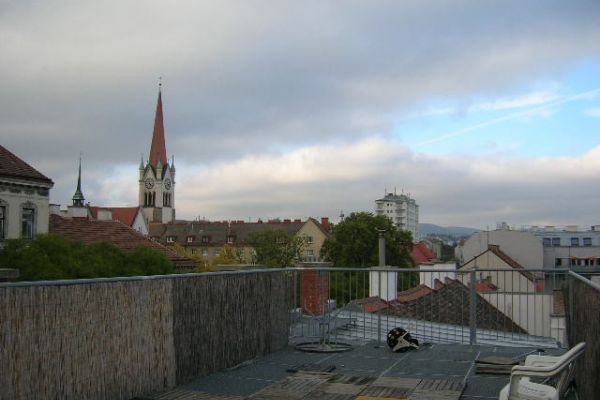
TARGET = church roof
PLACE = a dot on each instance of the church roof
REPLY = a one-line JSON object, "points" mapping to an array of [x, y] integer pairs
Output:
{"points": [[158, 150], [12, 166]]}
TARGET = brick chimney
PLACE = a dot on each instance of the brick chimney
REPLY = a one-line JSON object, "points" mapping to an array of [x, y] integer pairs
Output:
{"points": [[314, 291], [325, 222]]}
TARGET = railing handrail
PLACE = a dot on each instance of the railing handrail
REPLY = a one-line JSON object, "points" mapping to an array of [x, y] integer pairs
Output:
{"points": [[262, 269], [585, 280]]}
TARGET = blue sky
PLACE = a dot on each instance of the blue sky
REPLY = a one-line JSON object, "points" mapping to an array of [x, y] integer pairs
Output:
{"points": [[535, 119]]}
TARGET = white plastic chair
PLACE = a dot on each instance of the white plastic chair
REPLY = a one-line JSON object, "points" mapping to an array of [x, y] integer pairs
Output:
{"points": [[561, 368]]}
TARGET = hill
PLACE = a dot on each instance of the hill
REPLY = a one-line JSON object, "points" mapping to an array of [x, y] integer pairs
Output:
{"points": [[456, 231]]}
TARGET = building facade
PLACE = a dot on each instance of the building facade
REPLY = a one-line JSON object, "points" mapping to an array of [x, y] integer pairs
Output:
{"points": [[402, 210], [24, 198], [157, 176], [539, 247], [207, 239]]}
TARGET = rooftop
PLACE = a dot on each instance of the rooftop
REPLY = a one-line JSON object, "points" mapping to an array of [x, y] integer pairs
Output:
{"points": [[439, 371], [12, 166]]}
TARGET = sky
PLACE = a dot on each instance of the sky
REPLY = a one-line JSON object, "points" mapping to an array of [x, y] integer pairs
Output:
{"points": [[481, 111]]}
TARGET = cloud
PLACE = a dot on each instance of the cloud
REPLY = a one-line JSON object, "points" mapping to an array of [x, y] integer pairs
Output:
{"points": [[593, 112], [262, 82]]}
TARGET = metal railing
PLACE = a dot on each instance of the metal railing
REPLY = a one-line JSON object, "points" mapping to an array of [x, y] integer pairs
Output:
{"points": [[499, 306]]}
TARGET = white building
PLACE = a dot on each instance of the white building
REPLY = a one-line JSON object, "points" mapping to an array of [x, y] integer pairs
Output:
{"points": [[402, 210], [24, 194]]}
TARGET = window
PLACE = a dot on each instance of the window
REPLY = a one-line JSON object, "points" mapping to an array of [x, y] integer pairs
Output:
{"points": [[587, 241], [574, 241], [555, 242], [205, 239], [204, 253], [217, 253], [309, 239], [2, 222], [310, 253], [558, 262], [189, 239], [166, 199], [194, 251], [171, 239], [27, 220], [547, 242], [230, 239]]}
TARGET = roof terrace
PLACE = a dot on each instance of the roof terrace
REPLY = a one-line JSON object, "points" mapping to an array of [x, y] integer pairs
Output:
{"points": [[235, 335]]}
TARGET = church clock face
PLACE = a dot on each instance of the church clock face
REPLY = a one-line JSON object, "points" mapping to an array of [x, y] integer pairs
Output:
{"points": [[149, 183], [167, 184]]}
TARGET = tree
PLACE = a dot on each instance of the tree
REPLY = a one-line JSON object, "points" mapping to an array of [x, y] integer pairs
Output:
{"points": [[276, 248], [355, 242], [229, 255], [50, 257]]}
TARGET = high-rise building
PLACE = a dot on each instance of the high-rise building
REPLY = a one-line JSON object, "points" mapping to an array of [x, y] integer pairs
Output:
{"points": [[157, 176], [402, 210]]}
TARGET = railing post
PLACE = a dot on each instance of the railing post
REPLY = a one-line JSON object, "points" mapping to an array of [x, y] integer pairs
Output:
{"points": [[571, 296], [379, 311], [473, 308]]}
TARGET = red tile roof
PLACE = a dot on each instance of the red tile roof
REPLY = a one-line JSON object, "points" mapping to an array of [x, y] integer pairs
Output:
{"points": [[420, 254], [12, 166], [372, 304], [125, 215], [117, 233], [413, 293]]}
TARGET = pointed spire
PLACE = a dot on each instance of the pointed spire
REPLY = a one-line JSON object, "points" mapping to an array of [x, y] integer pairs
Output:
{"points": [[78, 198], [158, 149], [142, 162]]}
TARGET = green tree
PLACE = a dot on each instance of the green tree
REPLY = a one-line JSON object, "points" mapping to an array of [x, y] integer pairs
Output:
{"points": [[276, 248], [355, 242], [51, 257], [229, 255]]}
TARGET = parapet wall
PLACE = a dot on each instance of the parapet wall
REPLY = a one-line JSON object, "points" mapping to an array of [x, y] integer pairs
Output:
{"points": [[118, 339]]}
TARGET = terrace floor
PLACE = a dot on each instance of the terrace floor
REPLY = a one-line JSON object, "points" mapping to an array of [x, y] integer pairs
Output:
{"points": [[367, 372]]}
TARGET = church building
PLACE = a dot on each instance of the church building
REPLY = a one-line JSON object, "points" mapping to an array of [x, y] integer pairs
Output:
{"points": [[157, 176]]}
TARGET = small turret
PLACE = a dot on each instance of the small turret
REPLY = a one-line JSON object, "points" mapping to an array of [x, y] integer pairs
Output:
{"points": [[78, 199]]}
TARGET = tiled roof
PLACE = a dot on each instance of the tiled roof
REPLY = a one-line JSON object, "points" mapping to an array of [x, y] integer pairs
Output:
{"points": [[219, 231], [13, 167], [450, 305], [125, 215], [371, 304], [117, 233], [420, 254], [413, 293]]}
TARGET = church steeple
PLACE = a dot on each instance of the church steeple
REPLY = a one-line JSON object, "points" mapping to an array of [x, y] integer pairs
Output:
{"points": [[158, 150], [78, 198], [157, 177]]}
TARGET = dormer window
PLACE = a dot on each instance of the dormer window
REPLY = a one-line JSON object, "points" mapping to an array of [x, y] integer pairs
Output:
{"points": [[171, 239], [189, 239], [230, 239], [205, 239]]}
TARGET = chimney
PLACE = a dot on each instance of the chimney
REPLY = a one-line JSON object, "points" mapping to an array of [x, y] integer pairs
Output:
{"points": [[325, 222], [383, 283], [314, 291]]}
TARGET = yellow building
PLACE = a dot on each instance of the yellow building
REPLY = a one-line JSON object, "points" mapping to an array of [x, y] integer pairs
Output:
{"points": [[208, 238]]}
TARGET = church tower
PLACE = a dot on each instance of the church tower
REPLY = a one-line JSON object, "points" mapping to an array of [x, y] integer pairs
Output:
{"points": [[157, 176]]}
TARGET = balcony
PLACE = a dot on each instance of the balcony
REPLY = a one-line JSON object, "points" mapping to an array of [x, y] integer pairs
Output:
{"points": [[241, 335]]}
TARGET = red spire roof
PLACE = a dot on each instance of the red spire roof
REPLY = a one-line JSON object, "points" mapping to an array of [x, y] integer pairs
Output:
{"points": [[158, 150]]}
